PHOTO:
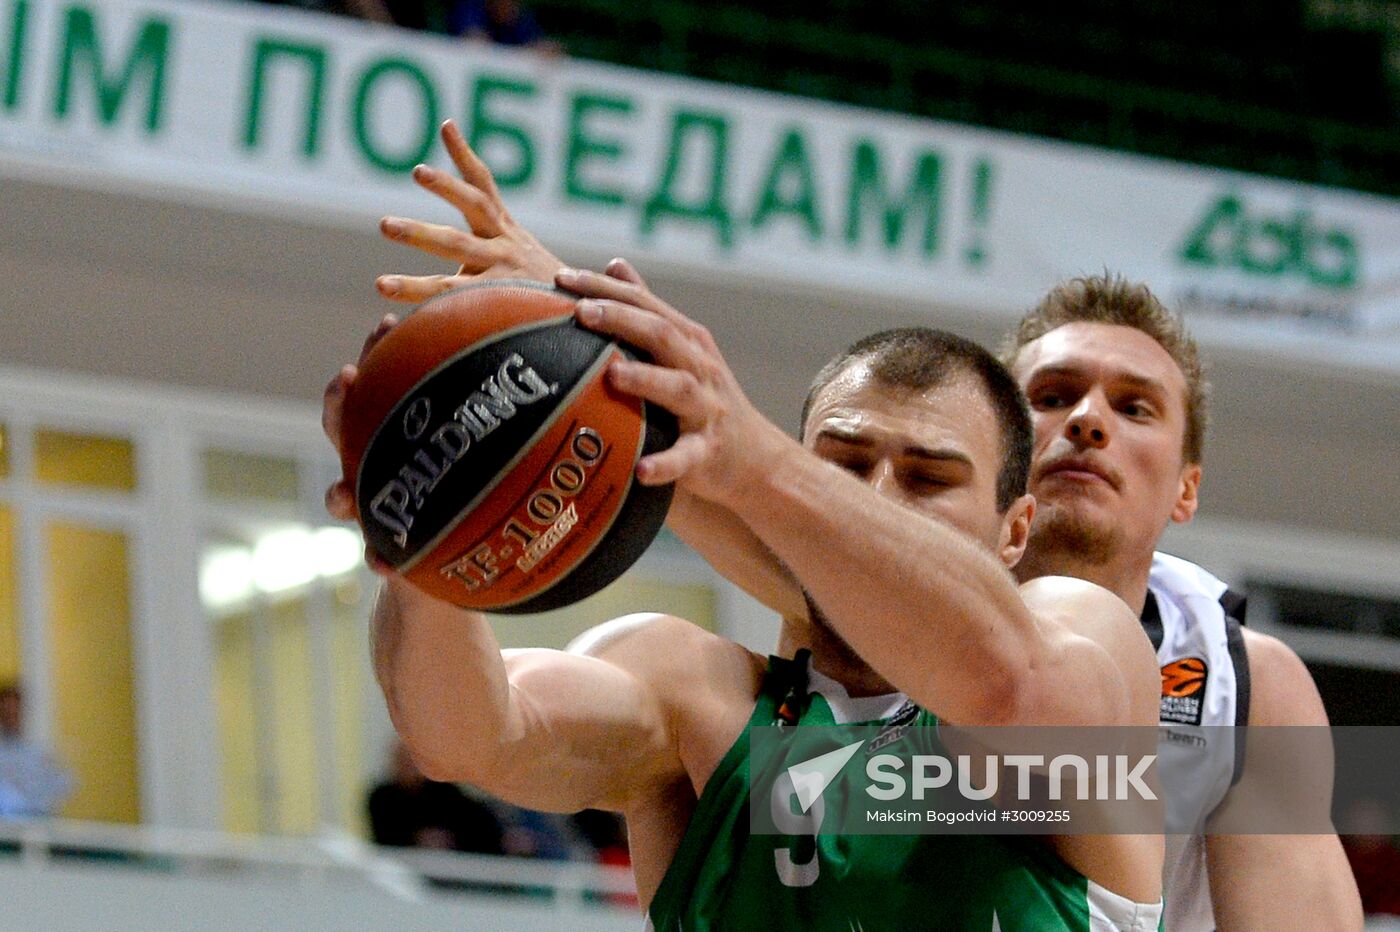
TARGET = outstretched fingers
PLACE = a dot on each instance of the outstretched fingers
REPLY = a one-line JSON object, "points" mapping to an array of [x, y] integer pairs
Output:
{"points": [[480, 210], [473, 169], [623, 270], [473, 253], [414, 289]]}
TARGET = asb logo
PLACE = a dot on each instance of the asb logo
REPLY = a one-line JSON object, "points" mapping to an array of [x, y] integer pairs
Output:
{"points": [[1273, 245], [1183, 690]]}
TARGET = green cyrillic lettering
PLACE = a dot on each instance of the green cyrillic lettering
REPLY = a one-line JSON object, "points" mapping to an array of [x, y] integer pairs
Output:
{"points": [[584, 147], [790, 160], [315, 58], [1200, 247], [428, 107], [484, 126], [14, 69], [148, 55], [922, 192], [711, 208]]}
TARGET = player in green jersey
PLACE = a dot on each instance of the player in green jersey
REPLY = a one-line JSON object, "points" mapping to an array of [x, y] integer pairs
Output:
{"points": [[913, 457]]}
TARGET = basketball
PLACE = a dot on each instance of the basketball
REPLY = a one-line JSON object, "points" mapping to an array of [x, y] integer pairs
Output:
{"points": [[492, 465]]}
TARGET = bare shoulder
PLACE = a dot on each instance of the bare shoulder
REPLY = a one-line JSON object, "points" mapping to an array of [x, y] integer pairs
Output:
{"points": [[1081, 607], [1282, 691], [1100, 638], [671, 653]]}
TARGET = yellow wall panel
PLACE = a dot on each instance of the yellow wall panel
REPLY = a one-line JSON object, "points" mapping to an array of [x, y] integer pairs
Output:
{"points": [[81, 460], [9, 603], [234, 475], [281, 682], [89, 628], [233, 698], [295, 749], [349, 665]]}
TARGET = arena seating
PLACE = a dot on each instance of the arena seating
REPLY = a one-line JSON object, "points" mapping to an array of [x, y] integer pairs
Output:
{"points": [[1254, 86]]}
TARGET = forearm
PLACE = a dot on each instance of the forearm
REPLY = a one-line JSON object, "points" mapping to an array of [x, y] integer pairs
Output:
{"points": [[736, 552], [444, 681], [928, 608], [540, 728]]}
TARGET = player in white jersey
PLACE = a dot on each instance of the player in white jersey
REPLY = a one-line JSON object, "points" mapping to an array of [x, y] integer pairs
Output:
{"points": [[1194, 623], [1119, 406]]}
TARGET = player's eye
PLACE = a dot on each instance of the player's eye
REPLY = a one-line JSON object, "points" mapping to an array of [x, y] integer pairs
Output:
{"points": [[927, 481], [1048, 400], [855, 466]]}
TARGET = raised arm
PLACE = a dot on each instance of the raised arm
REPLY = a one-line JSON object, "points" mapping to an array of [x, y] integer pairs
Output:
{"points": [[493, 245], [928, 608], [545, 729]]}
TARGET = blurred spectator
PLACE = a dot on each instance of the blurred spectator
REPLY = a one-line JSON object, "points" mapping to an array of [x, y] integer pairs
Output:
{"points": [[504, 22], [411, 811], [606, 833], [1374, 856], [363, 9], [532, 834], [417, 14], [32, 784]]}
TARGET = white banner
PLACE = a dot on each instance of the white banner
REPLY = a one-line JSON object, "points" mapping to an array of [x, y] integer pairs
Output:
{"points": [[318, 116]]}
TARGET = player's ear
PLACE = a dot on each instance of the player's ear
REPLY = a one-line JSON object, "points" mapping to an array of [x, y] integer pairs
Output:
{"points": [[1187, 500], [1016, 530]]}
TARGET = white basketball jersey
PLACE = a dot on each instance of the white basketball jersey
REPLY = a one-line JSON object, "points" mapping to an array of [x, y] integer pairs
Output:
{"points": [[1194, 621]]}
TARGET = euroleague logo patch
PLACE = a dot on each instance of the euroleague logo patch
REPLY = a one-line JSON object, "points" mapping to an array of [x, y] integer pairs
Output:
{"points": [[1183, 690]]}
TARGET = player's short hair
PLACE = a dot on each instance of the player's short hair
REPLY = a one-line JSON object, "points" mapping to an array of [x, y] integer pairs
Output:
{"points": [[1112, 299], [919, 358], [10, 689]]}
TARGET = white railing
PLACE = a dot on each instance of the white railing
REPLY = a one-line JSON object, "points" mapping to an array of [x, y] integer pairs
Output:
{"points": [[406, 874]]}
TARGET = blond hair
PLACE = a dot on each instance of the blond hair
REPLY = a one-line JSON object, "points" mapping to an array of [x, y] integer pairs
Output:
{"points": [[1112, 299]]}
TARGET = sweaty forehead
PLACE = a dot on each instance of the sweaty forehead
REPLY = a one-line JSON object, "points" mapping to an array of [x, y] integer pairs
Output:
{"points": [[1097, 350], [954, 412]]}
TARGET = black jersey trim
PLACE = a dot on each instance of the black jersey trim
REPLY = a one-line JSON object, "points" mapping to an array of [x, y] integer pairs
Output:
{"points": [[1152, 621], [1234, 605]]}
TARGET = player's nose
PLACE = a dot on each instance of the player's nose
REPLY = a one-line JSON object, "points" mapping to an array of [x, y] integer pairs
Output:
{"points": [[1086, 425], [882, 478]]}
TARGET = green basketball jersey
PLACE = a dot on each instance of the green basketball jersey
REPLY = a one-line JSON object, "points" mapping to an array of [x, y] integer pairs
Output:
{"points": [[725, 879]]}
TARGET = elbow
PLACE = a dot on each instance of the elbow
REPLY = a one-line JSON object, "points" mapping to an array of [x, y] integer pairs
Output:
{"points": [[436, 763], [1002, 695], [449, 762], [443, 769], [1000, 707]]}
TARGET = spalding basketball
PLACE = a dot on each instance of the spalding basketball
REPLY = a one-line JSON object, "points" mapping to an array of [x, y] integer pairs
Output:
{"points": [[493, 466]]}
